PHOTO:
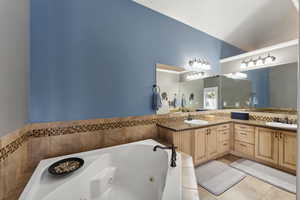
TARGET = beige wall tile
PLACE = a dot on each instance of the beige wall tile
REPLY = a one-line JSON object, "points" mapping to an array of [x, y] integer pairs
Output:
{"points": [[114, 137], [91, 140], [38, 149], [137, 133], [64, 145]]}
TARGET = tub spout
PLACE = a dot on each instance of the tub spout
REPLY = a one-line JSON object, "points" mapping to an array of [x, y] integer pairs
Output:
{"points": [[174, 155]]}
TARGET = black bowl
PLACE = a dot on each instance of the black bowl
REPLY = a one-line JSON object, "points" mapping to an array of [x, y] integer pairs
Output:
{"points": [[52, 170]]}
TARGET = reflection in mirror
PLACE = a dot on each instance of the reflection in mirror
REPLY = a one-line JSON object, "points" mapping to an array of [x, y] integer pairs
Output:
{"points": [[272, 89], [179, 89]]}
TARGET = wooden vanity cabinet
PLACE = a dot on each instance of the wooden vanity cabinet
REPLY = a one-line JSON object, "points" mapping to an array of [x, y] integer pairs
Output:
{"points": [[266, 145], [212, 143], [202, 144], [183, 141], [199, 145], [287, 149], [205, 145], [224, 138], [276, 147], [244, 140]]}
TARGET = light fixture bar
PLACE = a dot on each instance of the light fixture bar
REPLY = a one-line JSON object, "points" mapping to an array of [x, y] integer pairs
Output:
{"points": [[198, 65], [258, 62]]}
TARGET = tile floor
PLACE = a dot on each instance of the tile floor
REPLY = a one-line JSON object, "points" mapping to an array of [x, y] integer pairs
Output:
{"points": [[248, 189]]}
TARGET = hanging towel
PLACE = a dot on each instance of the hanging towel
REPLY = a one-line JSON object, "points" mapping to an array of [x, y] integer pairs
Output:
{"points": [[156, 104], [175, 102], [183, 102]]}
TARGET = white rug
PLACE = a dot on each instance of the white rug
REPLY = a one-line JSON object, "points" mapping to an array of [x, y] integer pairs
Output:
{"points": [[217, 177], [270, 175]]}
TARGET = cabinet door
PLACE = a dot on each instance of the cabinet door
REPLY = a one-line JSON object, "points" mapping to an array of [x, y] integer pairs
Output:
{"points": [[288, 150], [200, 146], [223, 147], [212, 142], [183, 141], [266, 145]]}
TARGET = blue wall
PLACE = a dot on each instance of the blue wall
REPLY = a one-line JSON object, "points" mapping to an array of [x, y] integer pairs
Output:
{"points": [[96, 58], [227, 50], [260, 85]]}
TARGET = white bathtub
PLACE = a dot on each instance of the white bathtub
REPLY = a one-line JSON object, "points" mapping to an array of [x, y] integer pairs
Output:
{"points": [[126, 172]]}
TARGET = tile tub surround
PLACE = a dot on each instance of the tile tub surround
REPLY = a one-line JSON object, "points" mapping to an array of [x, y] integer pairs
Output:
{"points": [[130, 128], [21, 151], [189, 182]]}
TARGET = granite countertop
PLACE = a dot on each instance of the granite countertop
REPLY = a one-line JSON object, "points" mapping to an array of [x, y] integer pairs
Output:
{"points": [[181, 126]]}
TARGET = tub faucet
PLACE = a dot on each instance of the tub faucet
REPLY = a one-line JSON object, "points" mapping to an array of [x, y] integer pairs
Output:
{"points": [[173, 157]]}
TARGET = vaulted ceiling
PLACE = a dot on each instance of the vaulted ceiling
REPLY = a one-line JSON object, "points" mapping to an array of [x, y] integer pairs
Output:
{"points": [[247, 24]]}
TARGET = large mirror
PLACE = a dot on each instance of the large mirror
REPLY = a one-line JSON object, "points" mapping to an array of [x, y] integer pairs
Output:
{"points": [[272, 89]]}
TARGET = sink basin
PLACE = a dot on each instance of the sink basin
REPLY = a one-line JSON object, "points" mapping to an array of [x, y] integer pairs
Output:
{"points": [[282, 125], [196, 122]]}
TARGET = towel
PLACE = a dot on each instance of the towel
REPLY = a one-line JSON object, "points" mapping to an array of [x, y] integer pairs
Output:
{"points": [[183, 102], [156, 104]]}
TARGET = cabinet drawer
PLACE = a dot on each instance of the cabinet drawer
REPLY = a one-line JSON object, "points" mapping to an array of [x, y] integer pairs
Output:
{"points": [[244, 136], [224, 135], [224, 127], [244, 148], [243, 127], [223, 146]]}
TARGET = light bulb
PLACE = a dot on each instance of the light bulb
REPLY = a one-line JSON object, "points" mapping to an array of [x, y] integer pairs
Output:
{"points": [[243, 65], [259, 61], [206, 66], [200, 65], [268, 60], [251, 63]]}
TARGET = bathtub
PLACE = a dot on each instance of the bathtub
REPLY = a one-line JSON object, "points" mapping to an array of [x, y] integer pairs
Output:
{"points": [[126, 172]]}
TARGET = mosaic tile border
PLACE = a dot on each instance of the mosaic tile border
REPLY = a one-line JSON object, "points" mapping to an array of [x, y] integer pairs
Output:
{"points": [[12, 147], [96, 127], [261, 118]]}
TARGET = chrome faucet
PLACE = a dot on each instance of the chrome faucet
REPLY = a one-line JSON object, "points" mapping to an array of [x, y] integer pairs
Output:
{"points": [[174, 155]]}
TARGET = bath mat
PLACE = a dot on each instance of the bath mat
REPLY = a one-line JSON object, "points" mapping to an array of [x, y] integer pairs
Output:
{"points": [[217, 177], [270, 175]]}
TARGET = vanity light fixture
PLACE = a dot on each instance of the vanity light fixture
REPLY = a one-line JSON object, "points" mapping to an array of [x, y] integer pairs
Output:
{"points": [[198, 65], [195, 76], [258, 62]]}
